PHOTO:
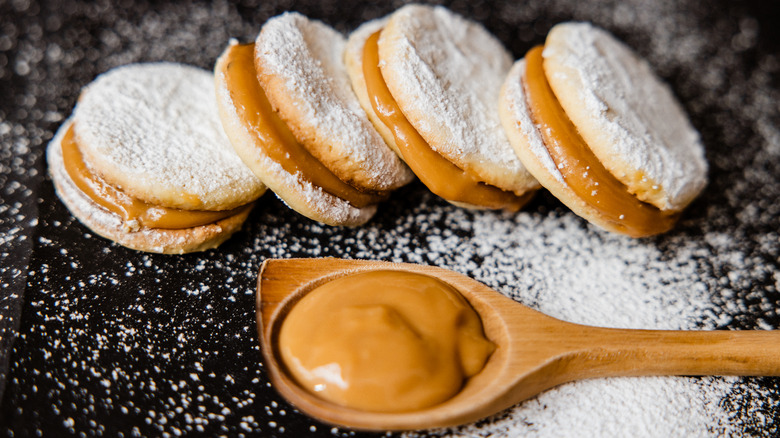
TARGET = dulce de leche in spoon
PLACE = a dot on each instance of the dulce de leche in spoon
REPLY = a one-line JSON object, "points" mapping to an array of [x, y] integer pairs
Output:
{"points": [[389, 346]]}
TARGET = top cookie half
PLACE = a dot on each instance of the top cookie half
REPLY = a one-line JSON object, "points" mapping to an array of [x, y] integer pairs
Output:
{"points": [[153, 131]]}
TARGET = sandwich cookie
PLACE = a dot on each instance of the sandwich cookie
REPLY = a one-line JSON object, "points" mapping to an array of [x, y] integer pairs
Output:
{"points": [[602, 132], [143, 161], [288, 107], [429, 80]]}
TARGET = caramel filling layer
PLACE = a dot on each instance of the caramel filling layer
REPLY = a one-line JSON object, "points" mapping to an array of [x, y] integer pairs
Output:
{"points": [[129, 208], [581, 170], [383, 341], [440, 175], [274, 136]]}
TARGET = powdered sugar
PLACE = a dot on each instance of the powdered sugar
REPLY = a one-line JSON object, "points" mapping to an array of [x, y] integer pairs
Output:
{"points": [[153, 130], [307, 57], [629, 118], [636, 407]]}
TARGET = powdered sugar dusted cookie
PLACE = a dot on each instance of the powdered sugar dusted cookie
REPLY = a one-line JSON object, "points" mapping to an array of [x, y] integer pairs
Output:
{"points": [[114, 227], [624, 108], [153, 130], [144, 161], [269, 148], [445, 73], [429, 80], [300, 65], [529, 146], [288, 107], [626, 114]]}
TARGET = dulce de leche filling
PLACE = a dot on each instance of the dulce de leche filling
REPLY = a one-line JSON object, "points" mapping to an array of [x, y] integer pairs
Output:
{"points": [[383, 341], [440, 175], [273, 135], [583, 173], [131, 210]]}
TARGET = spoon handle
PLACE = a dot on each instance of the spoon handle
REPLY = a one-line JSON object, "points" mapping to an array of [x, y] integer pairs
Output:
{"points": [[667, 352]]}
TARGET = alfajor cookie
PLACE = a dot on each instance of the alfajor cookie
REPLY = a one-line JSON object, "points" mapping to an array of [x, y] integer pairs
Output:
{"points": [[144, 161], [429, 80], [602, 132], [288, 107]]}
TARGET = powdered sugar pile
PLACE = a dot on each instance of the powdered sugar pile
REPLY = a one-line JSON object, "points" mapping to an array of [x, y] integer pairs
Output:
{"points": [[576, 275], [115, 342]]}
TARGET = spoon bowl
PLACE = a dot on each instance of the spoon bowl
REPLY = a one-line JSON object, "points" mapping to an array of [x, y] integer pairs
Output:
{"points": [[534, 352]]}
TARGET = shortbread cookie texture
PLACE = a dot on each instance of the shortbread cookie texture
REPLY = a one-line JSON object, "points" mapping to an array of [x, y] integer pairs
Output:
{"points": [[353, 58], [270, 150], [287, 106], [530, 147], [113, 227]]}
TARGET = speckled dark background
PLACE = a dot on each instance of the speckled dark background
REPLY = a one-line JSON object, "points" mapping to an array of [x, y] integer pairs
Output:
{"points": [[74, 306]]}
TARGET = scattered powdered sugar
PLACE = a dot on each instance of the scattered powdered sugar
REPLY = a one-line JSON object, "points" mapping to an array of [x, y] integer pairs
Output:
{"points": [[637, 407], [588, 278], [573, 274], [20, 148], [114, 342]]}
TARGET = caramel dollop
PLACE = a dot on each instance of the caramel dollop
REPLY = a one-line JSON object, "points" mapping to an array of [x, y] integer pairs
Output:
{"points": [[383, 341]]}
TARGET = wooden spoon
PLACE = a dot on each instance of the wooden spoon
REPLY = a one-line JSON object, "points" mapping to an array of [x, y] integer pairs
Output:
{"points": [[534, 351]]}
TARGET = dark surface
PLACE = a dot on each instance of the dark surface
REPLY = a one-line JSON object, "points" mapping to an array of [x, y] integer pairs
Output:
{"points": [[115, 342]]}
